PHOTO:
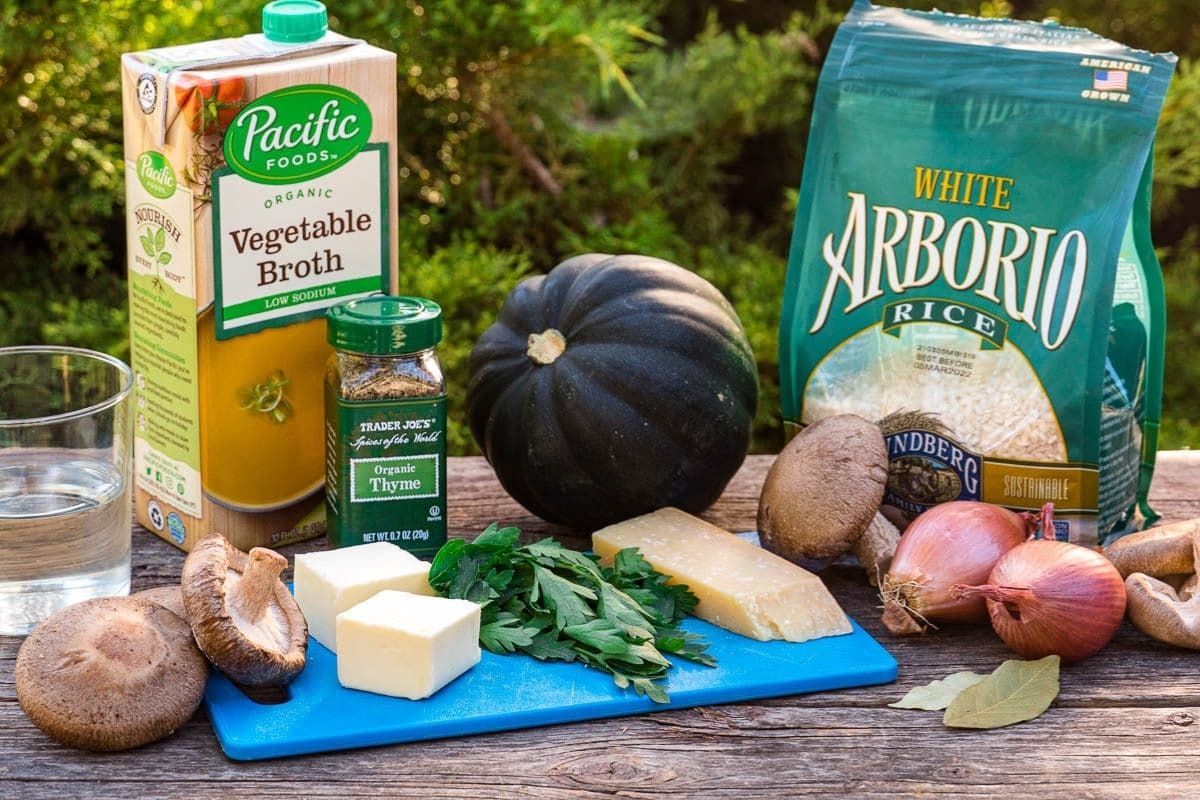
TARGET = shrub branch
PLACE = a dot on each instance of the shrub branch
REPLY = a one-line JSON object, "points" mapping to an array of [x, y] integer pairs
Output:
{"points": [[498, 122]]}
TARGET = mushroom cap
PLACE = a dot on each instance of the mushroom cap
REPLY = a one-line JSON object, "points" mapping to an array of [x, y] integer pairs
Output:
{"points": [[256, 643], [1158, 611], [1158, 552], [823, 489], [169, 597], [111, 673]]}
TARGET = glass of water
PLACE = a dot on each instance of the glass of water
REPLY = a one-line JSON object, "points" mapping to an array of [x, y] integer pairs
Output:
{"points": [[65, 438]]}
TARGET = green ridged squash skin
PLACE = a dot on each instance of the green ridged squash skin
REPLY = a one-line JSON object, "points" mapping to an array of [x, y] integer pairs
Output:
{"points": [[649, 404]]}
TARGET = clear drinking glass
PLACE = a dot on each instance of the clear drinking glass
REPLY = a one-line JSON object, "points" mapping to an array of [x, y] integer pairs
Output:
{"points": [[65, 438]]}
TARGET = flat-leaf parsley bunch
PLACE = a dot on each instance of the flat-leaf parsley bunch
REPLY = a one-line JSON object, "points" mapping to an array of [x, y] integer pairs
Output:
{"points": [[558, 604]]}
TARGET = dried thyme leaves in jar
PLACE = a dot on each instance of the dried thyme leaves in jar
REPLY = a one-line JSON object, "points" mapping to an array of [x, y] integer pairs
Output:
{"points": [[385, 416]]}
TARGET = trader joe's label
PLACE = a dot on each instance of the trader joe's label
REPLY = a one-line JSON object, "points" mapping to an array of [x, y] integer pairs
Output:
{"points": [[162, 321], [386, 479], [288, 252]]}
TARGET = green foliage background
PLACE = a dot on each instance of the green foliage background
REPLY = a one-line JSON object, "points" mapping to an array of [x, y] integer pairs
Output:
{"points": [[669, 127]]}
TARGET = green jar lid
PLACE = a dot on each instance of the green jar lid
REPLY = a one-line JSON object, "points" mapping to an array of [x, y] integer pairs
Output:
{"points": [[384, 325], [294, 21]]}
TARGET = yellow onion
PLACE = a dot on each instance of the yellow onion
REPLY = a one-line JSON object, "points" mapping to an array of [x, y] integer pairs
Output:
{"points": [[1053, 598], [953, 543]]}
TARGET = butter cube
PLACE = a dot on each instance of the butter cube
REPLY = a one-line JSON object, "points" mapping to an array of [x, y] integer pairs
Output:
{"points": [[406, 645], [333, 581]]}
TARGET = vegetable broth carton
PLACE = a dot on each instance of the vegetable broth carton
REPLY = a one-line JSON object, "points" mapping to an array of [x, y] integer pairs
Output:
{"points": [[261, 189]]}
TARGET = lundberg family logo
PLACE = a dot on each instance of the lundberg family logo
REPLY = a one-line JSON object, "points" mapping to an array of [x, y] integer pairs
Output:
{"points": [[926, 468]]}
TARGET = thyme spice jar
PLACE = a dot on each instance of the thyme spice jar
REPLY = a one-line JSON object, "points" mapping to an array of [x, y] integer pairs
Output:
{"points": [[385, 424]]}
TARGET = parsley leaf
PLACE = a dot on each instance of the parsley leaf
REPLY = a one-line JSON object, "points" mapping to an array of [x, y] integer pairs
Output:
{"points": [[563, 597], [497, 538], [599, 634], [630, 563], [624, 612], [688, 646], [558, 604], [445, 562], [549, 647], [506, 634]]}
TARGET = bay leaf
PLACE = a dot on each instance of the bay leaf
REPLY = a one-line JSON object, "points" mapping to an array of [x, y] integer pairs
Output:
{"points": [[1017, 691], [937, 695]]}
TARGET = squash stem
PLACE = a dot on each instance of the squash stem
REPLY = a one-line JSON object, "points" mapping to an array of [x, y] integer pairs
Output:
{"points": [[546, 346]]}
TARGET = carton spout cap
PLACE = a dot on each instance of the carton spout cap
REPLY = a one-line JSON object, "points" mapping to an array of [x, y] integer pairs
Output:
{"points": [[294, 21]]}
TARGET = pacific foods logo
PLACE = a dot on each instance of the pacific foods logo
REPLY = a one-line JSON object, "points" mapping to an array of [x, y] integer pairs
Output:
{"points": [[297, 133], [156, 175]]}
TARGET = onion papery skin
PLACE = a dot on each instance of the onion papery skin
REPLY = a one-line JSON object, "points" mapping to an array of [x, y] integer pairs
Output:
{"points": [[952, 543], [1070, 600]]}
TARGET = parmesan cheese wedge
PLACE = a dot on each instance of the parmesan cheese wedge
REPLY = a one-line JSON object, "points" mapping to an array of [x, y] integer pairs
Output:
{"points": [[741, 587]]}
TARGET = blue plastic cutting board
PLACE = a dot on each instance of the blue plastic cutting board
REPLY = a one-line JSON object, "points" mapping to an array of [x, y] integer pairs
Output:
{"points": [[517, 691]]}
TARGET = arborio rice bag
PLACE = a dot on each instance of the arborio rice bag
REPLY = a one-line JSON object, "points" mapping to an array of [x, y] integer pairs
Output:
{"points": [[971, 265]]}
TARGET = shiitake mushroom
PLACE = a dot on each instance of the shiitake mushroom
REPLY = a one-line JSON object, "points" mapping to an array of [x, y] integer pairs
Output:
{"points": [[823, 492], [111, 673], [1161, 567], [243, 617], [169, 597]]}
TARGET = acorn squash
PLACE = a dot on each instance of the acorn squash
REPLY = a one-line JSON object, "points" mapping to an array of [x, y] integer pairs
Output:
{"points": [[613, 386]]}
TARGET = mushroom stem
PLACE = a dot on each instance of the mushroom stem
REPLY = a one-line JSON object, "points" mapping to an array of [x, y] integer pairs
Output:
{"points": [[258, 582], [876, 547]]}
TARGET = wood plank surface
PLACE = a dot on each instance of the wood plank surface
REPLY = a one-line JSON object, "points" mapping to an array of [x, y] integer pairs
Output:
{"points": [[1127, 722]]}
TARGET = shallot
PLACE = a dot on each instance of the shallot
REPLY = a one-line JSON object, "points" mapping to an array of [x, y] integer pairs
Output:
{"points": [[1053, 598], [952, 543]]}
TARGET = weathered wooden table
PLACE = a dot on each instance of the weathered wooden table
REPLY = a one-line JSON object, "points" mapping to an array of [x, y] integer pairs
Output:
{"points": [[1126, 724]]}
